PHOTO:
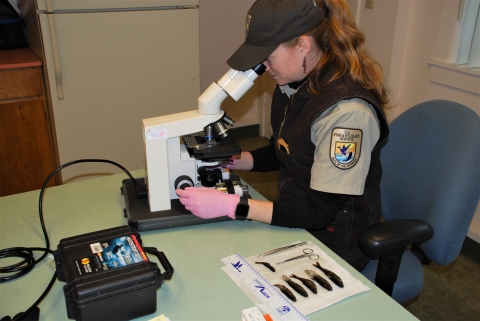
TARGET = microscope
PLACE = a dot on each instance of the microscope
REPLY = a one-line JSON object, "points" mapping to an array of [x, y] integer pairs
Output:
{"points": [[187, 149]]}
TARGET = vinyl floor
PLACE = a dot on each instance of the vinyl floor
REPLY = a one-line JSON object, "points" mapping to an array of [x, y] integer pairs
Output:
{"points": [[450, 292]]}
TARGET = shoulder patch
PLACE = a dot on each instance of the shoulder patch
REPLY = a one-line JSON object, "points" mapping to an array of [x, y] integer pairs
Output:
{"points": [[345, 147]]}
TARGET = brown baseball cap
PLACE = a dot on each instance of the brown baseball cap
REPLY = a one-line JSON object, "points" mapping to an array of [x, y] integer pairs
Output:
{"points": [[270, 23]]}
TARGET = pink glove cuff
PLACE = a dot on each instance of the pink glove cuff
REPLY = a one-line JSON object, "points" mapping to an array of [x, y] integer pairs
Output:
{"points": [[234, 199]]}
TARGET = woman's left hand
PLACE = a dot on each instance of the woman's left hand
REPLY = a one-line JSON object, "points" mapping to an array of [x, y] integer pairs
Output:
{"points": [[207, 202]]}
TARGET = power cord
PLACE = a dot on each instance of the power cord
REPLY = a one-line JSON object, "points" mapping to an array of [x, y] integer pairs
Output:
{"points": [[28, 263]]}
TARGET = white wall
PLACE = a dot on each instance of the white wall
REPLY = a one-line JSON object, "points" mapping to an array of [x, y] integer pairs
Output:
{"points": [[222, 31]]}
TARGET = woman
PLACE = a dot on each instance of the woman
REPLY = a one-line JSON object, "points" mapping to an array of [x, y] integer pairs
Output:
{"points": [[327, 125]]}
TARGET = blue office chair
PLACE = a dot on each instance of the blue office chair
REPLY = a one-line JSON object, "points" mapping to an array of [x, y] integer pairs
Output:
{"points": [[430, 189]]}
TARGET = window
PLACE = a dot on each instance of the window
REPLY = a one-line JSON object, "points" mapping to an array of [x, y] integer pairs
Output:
{"points": [[444, 68], [469, 34]]}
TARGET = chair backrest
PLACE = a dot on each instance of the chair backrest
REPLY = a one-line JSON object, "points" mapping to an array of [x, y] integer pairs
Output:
{"points": [[431, 171]]}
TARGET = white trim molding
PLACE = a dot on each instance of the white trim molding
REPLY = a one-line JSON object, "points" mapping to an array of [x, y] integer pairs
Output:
{"points": [[451, 75]]}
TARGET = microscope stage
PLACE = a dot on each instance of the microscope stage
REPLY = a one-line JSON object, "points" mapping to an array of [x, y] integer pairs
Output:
{"points": [[223, 149]]}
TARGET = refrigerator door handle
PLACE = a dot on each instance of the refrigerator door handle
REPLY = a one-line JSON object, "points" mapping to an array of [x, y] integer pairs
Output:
{"points": [[49, 6], [56, 56]]}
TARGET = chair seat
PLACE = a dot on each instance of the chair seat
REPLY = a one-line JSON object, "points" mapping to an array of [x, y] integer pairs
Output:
{"points": [[410, 277]]}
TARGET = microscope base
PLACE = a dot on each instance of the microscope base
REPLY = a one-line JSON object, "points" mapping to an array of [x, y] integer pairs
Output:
{"points": [[137, 211]]}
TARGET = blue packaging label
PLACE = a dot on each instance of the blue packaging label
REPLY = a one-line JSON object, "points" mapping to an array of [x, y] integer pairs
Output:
{"points": [[107, 255]]}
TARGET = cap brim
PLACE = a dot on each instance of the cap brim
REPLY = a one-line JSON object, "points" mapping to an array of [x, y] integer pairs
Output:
{"points": [[248, 56]]}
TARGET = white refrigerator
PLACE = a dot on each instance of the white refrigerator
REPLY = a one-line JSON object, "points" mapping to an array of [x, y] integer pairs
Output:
{"points": [[110, 64]]}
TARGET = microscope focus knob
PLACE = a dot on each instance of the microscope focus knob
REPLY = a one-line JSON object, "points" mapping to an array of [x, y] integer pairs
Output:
{"points": [[183, 182]]}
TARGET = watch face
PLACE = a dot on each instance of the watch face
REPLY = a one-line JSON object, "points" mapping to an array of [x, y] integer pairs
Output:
{"points": [[241, 212]]}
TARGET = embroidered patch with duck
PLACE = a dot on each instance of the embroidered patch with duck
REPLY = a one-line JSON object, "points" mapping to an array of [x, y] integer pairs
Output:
{"points": [[345, 147]]}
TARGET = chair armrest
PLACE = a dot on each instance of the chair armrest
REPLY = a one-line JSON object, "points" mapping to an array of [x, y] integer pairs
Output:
{"points": [[388, 236], [386, 242]]}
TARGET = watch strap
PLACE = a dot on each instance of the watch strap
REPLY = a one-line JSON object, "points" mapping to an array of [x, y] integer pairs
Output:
{"points": [[241, 212]]}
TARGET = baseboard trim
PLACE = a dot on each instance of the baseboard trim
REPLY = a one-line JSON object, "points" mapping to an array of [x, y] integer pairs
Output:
{"points": [[471, 249]]}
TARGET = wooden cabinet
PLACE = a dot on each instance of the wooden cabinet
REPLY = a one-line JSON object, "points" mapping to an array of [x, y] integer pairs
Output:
{"points": [[26, 145]]}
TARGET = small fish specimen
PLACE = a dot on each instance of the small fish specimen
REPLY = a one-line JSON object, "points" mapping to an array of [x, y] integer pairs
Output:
{"points": [[297, 287], [267, 265], [314, 276], [307, 282], [287, 292], [332, 276]]}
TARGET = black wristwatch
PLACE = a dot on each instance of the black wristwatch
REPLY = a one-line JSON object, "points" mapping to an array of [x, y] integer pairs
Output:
{"points": [[241, 212]]}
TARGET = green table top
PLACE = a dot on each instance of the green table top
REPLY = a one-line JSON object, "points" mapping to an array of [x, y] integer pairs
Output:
{"points": [[198, 290]]}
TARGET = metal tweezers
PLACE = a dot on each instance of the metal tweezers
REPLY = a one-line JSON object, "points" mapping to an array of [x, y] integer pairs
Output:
{"points": [[281, 249]]}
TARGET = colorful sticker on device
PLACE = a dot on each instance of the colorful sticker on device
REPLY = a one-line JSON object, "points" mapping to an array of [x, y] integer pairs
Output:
{"points": [[111, 254], [345, 147]]}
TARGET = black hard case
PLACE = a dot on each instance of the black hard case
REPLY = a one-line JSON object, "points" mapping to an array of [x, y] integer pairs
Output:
{"points": [[123, 293]]}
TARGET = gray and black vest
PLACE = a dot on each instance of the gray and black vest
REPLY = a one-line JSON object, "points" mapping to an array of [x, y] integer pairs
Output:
{"points": [[297, 114]]}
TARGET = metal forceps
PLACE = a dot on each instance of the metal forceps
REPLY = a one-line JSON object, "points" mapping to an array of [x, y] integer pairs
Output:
{"points": [[281, 249], [307, 253]]}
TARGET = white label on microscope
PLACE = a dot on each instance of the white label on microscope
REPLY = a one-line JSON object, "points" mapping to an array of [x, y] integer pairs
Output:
{"points": [[157, 133]]}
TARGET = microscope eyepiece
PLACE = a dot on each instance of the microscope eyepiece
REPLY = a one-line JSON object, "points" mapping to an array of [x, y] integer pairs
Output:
{"points": [[259, 69]]}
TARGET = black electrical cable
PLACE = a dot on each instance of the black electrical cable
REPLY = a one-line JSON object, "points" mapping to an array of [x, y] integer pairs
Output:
{"points": [[22, 267], [28, 263]]}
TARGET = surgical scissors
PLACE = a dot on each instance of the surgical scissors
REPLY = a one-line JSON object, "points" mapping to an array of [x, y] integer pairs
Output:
{"points": [[307, 253]]}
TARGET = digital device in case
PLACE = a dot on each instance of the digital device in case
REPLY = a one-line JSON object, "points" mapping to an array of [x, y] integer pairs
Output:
{"points": [[109, 276]]}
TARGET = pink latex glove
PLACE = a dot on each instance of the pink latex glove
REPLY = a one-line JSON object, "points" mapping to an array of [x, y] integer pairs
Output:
{"points": [[207, 202]]}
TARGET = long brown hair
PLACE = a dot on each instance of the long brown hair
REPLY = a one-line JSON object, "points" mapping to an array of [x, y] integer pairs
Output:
{"points": [[343, 47]]}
